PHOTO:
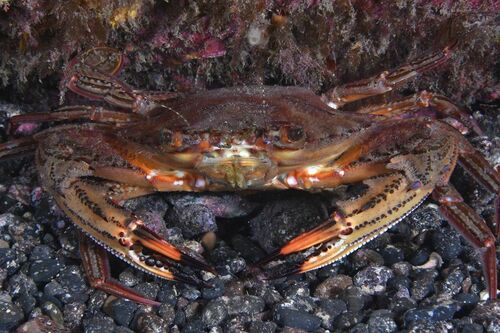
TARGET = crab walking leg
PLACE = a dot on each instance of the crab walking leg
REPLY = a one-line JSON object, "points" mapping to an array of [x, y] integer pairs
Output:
{"points": [[96, 265], [426, 103], [476, 165], [14, 148], [387, 199], [472, 227], [386, 81], [77, 112]]}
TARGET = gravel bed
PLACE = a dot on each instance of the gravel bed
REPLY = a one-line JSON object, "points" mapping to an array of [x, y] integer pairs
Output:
{"points": [[421, 276]]}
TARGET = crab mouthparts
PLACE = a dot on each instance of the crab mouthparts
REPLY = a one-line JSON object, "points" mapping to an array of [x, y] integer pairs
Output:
{"points": [[237, 168]]}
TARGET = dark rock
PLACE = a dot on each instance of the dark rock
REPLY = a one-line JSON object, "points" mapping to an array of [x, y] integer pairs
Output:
{"points": [[286, 217], [359, 328], [193, 326], [328, 310], [392, 255], [180, 318], [11, 260], [148, 289], [120, 309], [333, 286], [42, 252], [467, 301], [192, 219], [430, 327], [44, 270], [130, 277], [217, 290], [447, 244], [423, 284], [73, 284], [40, 324], [150, 323], [400, 305], [167, 313], [297, 319], [366, 257], [247, 248], [442, 311], [402, 268], [373, 279], [10, 316], [214, 313], [452, 284], [488, 314], [258, 326], [354, 299], [420, 256], [73, 314], [168, 294], [471, 328], [26, 302], [53, 312], [347, 319], [98, 324], [246, 304], [381, 321], [191, 293]]}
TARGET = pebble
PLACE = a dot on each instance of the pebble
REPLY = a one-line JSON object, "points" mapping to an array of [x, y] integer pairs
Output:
{"points": [[381, 321], [333, 286], [98, 324], [53, 312], [392, 254], [150, 323], [258, 326], [354, 299], [447, 244], [297, 319], [423, 284], [214, 313], [346, 320], [40, 324], [488, 314], [167, 313], [373, 279], [120, 309], [246, 304], [44, 270], [328, 310], [10, 316], [441, 311], [73, 314]]}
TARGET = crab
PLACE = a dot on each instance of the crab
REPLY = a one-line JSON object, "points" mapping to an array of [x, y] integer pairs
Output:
{"points": [[251, 138]]}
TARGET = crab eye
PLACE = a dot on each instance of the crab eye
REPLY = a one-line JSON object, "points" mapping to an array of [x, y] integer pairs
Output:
{"points": [[291, 134], [295, 134]]}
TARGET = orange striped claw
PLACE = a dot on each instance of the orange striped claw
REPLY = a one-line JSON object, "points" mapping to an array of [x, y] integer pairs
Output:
{"points": [[131, 143]]}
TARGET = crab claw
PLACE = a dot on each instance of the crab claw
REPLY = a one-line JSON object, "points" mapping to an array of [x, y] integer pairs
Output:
{"points": [[161, 248]]}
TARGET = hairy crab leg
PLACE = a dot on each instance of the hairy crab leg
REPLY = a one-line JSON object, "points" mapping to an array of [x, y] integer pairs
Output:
{"points": [[17, 147], [77, 112], [386, 81], [421, 104], [472, 227], [95, 262], [96, 79]]}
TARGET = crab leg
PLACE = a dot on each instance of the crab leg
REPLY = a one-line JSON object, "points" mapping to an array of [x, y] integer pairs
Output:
{"points": [[426, 104], [96, 265], [93, 75], [14, 148], [386, 81], [472, 227]]}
